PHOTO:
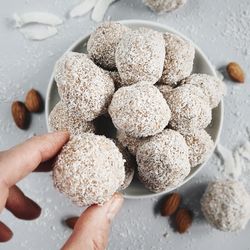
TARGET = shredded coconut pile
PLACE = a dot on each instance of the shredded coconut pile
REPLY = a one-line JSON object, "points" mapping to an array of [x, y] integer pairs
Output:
{"points": [[139, 110], [190, 109], [161, 6], [103, 42], [235, 163], [140, 56], [163, 161], [84, 88], [200, 146], [89, 169], [226, 205], [61, 119], [212, 87], [179, 59]]}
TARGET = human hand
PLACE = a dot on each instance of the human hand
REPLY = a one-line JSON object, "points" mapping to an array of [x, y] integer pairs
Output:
{"points": [[91, 230]]}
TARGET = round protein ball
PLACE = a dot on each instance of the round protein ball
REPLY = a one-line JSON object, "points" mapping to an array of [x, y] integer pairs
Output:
{"points": [[89, 169], [189, 108], [163, 161], [139, 110], [162, 6], [226, 205], [102, 44], [211, 86], [140, 56], [129, 142], [84, 88], [179, 59], [60, 119], [200, 146], [130, 165]]}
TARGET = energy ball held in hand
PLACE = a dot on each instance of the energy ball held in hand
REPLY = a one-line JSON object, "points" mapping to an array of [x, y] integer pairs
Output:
{"points": [[89, 169]]}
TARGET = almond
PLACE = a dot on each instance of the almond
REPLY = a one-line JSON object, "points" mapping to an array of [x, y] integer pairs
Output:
{"points": [[20, 114], [171, 204], [235, 72], [34, 101], [183, 220], [70, 222]]}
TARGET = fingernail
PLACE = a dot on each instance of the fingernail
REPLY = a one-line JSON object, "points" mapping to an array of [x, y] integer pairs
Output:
{"points": [[5, 233], [114, 207], [62, 132]]}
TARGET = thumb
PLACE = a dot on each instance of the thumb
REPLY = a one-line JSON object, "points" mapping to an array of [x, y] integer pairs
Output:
{"points": [[92, 228]]}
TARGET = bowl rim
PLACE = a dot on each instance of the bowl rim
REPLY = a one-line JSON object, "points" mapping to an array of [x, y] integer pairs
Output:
{"points": [[205, 58]]}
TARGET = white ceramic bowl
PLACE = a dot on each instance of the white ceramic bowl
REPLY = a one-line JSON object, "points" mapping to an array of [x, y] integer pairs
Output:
{"points": [[201, 65]]}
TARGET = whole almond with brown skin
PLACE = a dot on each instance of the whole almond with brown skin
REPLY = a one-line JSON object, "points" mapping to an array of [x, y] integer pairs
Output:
{"points": [[20, 114], [183, 220], [33, 101], [70, 222], [235, 72], [171, 204]]}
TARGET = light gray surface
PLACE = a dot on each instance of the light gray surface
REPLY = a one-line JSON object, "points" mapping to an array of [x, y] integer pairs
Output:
{"points": [[220, 28]]}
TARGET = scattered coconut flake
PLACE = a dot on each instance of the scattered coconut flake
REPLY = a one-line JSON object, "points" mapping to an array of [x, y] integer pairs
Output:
{"points": [[230, 168], [235, 163], [38, 33], [36, 17], [219, 75], [244, 150], [82, 8], [239, 165], [100, 9]]}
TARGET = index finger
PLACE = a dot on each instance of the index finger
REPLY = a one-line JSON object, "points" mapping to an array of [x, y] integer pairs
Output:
{"points": [[19, 161]]}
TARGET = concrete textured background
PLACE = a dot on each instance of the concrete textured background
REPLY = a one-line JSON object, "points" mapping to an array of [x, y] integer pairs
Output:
{"points": [[220, 28]]}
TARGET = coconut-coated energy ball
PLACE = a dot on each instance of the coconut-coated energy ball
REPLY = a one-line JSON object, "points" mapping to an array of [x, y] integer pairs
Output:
{"points": [[226, 205], [179, 59], [139, 110], [61, 119], [212, 87], [161, 6], [190, 109], [102, 43], [200, 146], [84, 88], [89, 169], [163, 161], [129, 142], [130, 164], [140, 56]]}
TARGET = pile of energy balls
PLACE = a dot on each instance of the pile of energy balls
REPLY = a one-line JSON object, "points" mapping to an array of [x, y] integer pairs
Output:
{"points": [[141, 80]]}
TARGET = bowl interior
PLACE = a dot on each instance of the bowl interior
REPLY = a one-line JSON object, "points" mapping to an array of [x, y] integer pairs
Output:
{"points": [[201, 65]]}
